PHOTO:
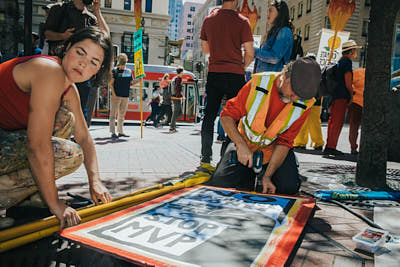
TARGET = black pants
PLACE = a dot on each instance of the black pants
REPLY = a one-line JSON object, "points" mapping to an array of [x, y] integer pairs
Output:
{"points": [[165, 110], [286, 177], [218, 85]]}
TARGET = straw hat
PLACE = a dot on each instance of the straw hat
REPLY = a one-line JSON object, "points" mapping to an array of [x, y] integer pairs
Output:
{"points": [[350, 44]]}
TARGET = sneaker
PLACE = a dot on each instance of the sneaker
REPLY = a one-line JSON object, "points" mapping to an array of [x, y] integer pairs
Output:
{"points": [[205, 159], [319, 148], [354, 152], [332, 151], [123, 135], [172, 130], [114, 136], [221, 138]]}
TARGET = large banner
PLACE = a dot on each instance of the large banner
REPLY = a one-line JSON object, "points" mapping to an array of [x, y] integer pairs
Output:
{"points": [[201, 226], [325, 44]]}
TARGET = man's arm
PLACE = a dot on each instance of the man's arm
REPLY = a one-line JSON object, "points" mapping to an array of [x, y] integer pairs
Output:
{"points": [[277, 158], [100, 19], [248, 53], [58, 36], [205, 48], [245, 155], [348, 80]]}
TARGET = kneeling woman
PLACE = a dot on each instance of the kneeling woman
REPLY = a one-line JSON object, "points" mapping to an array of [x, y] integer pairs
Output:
{"points": [[40, 110]]}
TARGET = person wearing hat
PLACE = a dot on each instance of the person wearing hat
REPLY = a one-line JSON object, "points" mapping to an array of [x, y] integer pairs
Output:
{"points": [[342, 97], [266, 115]]}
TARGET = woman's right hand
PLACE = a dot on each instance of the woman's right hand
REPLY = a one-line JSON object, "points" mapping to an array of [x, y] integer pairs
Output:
{"points": [[68, 216]]}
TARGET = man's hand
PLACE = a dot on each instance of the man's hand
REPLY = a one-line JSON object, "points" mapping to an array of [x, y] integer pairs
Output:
{"points": [[245, 155], [98, 190], [68, 33], [268, 185], [67, 215]]}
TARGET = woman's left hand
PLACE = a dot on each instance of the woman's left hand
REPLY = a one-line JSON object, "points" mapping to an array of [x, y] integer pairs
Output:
{"points": [[98, 190]]}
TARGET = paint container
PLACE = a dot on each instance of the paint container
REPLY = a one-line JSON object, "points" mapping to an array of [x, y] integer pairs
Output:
{"points": [[370, 239]]}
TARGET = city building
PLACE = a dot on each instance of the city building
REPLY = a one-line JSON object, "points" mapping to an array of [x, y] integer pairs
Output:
{"points": [[174, 10], [119, 16], [189, 10]]}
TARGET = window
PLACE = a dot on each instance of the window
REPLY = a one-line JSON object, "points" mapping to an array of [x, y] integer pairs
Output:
{"points": [[327, 22], [187, 45], [108, 3], [192, 8], [367, 3], [328, 1], [308, 7], [189, 23], [188, 37], [189, 15], [292, 12], [300, 10], [298, 31], [188, 30], [127, 4], [127, 46], [149, 6], [306, 32], [364, 31]]}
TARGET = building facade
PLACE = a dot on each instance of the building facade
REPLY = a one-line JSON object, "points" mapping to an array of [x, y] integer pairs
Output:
{"points": [[174, 10], [120, 18], [186, 31]]}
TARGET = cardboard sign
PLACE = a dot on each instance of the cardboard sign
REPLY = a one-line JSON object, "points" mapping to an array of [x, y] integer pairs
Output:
{"points": [[325, 44], [201, 226]]}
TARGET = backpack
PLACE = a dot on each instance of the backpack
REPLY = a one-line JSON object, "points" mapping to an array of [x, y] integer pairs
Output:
{"points": [[297, 49], [172, 87], [329, 81]]}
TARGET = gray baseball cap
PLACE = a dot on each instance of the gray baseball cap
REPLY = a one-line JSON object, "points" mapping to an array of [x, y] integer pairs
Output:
{"points": [[305, 77]]}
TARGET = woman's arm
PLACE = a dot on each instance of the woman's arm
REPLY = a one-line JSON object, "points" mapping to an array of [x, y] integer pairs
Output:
{"points": [[83, 138], [46, 81], [283, 42]]}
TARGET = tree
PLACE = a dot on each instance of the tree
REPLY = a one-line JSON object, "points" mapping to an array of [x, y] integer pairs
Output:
{"points": [[376, 123]]}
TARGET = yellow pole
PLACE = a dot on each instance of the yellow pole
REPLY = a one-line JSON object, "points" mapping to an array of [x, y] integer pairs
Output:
{"points": [[141, 108]]}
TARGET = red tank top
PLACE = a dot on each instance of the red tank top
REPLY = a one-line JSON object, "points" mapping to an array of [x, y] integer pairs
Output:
{"points": [[14, 103]]}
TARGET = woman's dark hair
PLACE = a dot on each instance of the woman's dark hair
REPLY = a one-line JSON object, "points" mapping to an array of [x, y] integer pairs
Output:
{"points": [[101, 38], [282, 20]]}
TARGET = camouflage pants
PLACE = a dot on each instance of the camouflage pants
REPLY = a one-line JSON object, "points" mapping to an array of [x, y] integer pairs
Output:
{"points": [[16, 179]]}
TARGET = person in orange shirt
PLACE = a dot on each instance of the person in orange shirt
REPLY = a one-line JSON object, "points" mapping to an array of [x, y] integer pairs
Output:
{"points": [[355, 108]]}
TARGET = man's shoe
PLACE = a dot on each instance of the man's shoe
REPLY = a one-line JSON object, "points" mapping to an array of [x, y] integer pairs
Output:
{"points": [[354, 152], [332, 152], [319, 148], [6, 222], [221, 138], [205, 159], [114, 136], [300, 147], [172, 130], [123, 135]]}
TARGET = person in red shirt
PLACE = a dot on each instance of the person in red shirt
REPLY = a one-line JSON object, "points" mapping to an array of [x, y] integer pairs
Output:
{"points": [[288, 97], [176, 98], [40, 110], [223, 35]]}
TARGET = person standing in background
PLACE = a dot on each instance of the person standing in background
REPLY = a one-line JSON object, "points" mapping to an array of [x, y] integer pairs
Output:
{"points": [[355, 108], [223, 34], [63, 20], [277, 46], [122, 80], [176, 97], [165, 108], [342, 97]]}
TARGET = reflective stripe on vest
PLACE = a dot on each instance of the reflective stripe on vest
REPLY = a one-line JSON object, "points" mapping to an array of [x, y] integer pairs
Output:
{"points": [[257, 104]]}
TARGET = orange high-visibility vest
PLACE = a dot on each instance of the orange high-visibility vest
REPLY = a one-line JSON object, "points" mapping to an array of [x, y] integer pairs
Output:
{"points": [[252, 125], [358, 86]]}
